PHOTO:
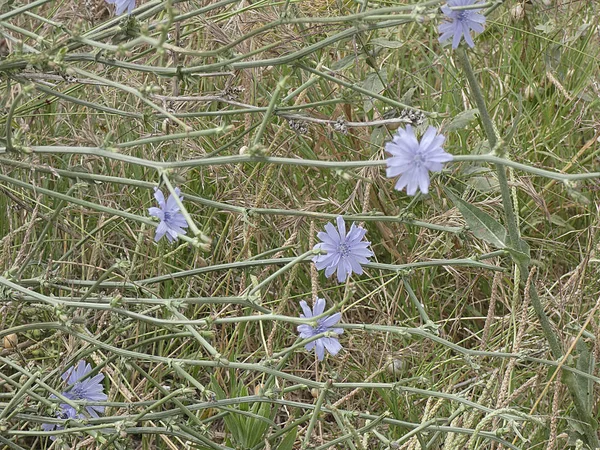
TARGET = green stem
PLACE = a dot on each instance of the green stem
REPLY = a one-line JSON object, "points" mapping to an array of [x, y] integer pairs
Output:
{"points": [[203, 342], [11, 408], [99, 281], [235, 159], [515, 243], [96, 207], [411, 294], [270, 109], [279, 272], [313, 420], [9, 120]]}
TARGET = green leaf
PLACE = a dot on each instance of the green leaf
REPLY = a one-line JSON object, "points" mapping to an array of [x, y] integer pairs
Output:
{"points": [[408, 96], [461, 120], [585, 363], [521, 253], [373, 83], [482, 179], [287, 443], [482, 225], [520, 257], [378, 137], [387, 43], [343, 63]]}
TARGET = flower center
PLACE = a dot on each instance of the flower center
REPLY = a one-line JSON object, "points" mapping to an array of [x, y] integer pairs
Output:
{"points": [[320, 327], [418, 159], [462, 15], [77, 392], [167, 216], [343, 249]]}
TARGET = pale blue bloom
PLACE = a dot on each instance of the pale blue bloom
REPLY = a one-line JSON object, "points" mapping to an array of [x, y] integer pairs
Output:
{"points": [[324, 324], [413, 160], [172, 221], [65, 412], [89, 389], [122, 5], [345, 252], [460, 22]]}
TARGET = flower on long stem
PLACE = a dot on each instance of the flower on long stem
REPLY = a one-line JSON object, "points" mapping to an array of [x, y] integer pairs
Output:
{"points": [[172, 222], [89, 389], [324, 324], [459, 23], [413, 160], [344, 252]]}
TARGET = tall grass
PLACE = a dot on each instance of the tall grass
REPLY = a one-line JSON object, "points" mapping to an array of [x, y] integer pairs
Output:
{"points": [[271, 117]]}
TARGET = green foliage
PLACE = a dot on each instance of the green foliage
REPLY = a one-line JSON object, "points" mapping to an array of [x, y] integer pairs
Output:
{"points": [[98, 110], [480, 223], [249, 425]]}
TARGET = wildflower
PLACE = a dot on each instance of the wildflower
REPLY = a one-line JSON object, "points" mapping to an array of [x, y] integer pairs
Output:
{"points": [[121, 5], [461, 22], [65, 412], [172, 221], [345, 252], [324, 324], [89, 389], [413, 160]]}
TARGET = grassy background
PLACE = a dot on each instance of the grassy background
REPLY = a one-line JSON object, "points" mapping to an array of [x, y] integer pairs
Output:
{"points": [[540, 58]]}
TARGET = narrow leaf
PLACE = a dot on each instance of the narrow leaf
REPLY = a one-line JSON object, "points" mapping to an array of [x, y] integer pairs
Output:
{"points": [[288, 441], [461, 120], [385, 43], [482, 225]]}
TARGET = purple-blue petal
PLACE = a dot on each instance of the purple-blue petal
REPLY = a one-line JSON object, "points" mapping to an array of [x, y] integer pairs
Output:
{"points": [[324, 325], [417, 159], [319, 307], [307, 311], [342, 249], [460, 23], [330, 321]]}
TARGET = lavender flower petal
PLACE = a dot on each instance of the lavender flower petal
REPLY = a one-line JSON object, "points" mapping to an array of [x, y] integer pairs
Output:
{"points": [[172, 222], [78, 389], [459, 23], [345, 252], [413, 160], [324, 324], [122, 5]]}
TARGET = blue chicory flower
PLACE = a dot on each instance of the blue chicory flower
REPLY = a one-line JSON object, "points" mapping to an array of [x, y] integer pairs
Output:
{"points": [[460, 22], [345, 252], [89, 389], [172, 221], [122, 5], [65, 412], [324, 324], [413, 160]]}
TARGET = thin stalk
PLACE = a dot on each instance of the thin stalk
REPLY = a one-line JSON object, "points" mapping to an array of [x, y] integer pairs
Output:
{"points": [[270, 109], [313, 420], [9, 120], [10, 409], [319, 164], [515, 243], [203, 342], [21, 9], [183, 210], [42, 237], [427, 322], [99, 281], [96, 207], [279, 272]]}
